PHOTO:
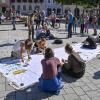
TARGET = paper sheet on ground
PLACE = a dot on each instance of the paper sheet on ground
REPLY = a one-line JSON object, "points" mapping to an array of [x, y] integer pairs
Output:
{"points": [[34, 68]]}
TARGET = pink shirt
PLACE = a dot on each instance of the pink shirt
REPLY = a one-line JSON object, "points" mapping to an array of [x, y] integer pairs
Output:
{"points": [[49, 67]]}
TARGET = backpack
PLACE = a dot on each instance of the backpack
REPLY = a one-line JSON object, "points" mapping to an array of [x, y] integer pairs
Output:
{"points": [[81, 62], [58, 41]]}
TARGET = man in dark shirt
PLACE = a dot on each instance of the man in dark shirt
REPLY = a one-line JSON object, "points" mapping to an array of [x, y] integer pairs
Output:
{"points": [[90, 43]]}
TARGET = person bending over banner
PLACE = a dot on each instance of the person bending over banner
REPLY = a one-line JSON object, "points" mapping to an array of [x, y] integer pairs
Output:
{"points": [[74, 66], [90, 43], [40, 45], [21, 48], [50, 80]]}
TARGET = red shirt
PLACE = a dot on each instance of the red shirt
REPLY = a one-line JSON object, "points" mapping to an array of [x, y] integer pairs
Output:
{"points": [[49, 67]]}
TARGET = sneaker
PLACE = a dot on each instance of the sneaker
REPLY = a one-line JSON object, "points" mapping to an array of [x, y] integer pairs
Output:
{"points": [[61, 86], [57, 92], [14, 29]]}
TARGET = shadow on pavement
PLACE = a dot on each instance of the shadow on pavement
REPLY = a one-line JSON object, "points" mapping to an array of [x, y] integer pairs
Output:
{"points": [[23, 29], [96, 75], [29, 93], [68, 79], [6, 30], [34, 93], [6, 44]]}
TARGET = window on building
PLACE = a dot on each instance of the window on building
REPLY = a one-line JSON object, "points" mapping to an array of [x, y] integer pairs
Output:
{"points": [[12, 1], [18, 1], [24, 7], [18, 7], [41, 1], [24, 0], [48, 1], [49, 11], [13, 7], [35, 1], [66, 11], [3, 9], [37, 7], [54, 10], [77, 12], [30, 1], [58, 11], [30, 7], [53, 1]]}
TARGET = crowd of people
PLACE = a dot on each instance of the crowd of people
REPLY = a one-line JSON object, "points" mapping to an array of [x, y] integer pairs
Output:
{"points": [[50, 80], [39, 19], [71, 22], [84, 22]]}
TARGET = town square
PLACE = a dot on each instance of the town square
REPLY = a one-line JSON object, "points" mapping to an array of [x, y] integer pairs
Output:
{"points": [[49, 50]]}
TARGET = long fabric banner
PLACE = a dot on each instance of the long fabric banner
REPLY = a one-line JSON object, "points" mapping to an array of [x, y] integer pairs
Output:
{"points": [[25, 74]]}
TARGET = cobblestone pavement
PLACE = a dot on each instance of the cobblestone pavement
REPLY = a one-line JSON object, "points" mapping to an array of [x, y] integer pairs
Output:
{"points": [[86, 88]]}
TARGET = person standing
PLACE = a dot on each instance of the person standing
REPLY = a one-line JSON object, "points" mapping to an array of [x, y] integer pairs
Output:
{"points": [[74, 24], [53, 19], [66, 22], [37, 19], [32, 19], [0, 18], [86, 23], [70, 23], [94, 21], [81, 20], [14, 20], [29, 27], [42, 18]]}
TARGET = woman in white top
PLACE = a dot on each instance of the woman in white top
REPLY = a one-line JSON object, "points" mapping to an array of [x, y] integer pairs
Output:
{"points": [[20, 48]]}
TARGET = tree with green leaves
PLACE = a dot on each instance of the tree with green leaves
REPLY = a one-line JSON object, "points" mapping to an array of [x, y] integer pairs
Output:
{"points": [[86, 3]]}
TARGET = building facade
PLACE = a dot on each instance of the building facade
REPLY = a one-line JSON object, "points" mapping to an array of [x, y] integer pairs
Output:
{"points": [[27, 6], [4, 5], [75, 9]]}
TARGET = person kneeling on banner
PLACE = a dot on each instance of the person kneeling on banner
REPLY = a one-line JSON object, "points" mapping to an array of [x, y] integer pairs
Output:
{"points": [[90, 43], [21, 48], [39, 46]]}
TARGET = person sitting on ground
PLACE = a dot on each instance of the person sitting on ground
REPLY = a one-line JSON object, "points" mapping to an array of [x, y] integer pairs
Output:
{"points": [[90, 43], [40, 32], [20, 48], [50, 80], [74, 66], [48, 33], [40, 45], [97, 39]]}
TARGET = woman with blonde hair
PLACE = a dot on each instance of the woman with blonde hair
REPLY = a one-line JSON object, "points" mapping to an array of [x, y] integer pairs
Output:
{"points": [[21, 48], [75, 65]]}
